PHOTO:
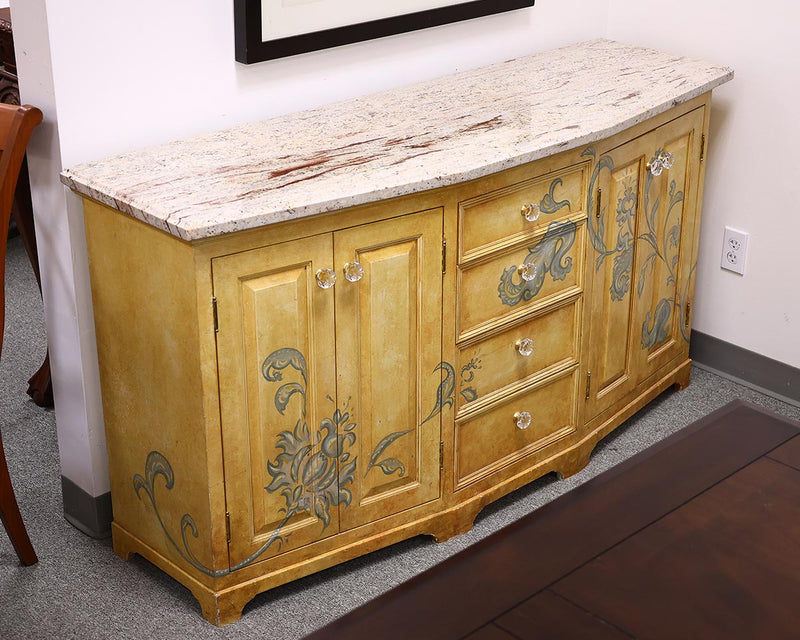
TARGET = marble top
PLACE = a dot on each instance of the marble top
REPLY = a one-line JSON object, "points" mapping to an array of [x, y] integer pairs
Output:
{"points": [[394, 143]]}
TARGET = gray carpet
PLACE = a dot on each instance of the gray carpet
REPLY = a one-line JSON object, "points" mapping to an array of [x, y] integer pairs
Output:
{"points": [[80, 589]]}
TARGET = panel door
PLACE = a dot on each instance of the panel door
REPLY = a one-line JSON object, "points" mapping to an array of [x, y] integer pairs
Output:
{"points": [[663, 266], [641, 228], [276, 363], [388, 346]]}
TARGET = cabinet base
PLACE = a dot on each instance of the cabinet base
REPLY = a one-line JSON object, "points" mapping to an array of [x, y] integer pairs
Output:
{"points": [[224, 603]]}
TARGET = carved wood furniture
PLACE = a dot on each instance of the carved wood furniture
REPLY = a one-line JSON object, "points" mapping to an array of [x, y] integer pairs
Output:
{"points": [[16, 125], [290, 381]]}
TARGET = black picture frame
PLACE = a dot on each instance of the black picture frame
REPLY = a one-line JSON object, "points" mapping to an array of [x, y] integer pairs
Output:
{"points": [[251, 48]]}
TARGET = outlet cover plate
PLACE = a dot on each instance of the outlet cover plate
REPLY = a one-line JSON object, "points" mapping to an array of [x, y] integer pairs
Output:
{"points": [[734, 250]]}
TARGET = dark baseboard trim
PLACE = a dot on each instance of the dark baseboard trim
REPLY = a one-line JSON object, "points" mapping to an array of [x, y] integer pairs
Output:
{"points": [[749, 368], [86, 513]]}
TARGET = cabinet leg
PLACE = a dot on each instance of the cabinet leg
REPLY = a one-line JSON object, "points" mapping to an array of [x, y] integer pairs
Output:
{"points": [[576, 461], [454, 524], [121, 547], [682, 379], [222, 609]]}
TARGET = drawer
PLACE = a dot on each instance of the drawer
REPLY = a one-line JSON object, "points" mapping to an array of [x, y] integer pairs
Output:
{"points": [[519, 208], [494, 288], [512, 356], [491, 440]]}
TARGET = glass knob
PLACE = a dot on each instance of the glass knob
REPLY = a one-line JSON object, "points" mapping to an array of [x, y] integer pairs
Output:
{"points": [[531, 212], [656, 166], [667, 160], [527, 270], [353, 271], [325, 278], [523, 419], [525, 346]]}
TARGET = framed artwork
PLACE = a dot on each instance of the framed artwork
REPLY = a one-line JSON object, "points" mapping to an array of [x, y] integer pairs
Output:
{"points": [[268, 29]]}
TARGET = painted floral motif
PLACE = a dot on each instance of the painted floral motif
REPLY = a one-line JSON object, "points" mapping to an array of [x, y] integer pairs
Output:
{"points": [[157, 465], [387, 465], [445, 392], [548, 255], [311, 471], [468, 391], [596, 225], [663, 246], [548, 204], [666, 249]]}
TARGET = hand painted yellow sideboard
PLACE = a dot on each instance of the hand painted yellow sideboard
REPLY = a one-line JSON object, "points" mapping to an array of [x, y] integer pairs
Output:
{"points": [[282, 398]]}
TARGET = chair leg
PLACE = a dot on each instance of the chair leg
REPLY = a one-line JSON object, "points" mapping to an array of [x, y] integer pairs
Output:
{"points": [[40, 386], [12, 519]]}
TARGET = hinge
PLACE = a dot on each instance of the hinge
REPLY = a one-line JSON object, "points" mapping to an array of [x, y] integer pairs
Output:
{"points": [[228, 526], [588, 383], [702, 146], [441, 455], [444, 255], [216, 317], [687, 314], [599, 198]]}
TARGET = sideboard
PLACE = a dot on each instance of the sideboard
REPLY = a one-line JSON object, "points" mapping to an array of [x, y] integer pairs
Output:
{"points": [[330, 331]]}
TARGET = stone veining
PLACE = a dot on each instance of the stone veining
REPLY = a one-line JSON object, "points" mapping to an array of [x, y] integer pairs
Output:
{"points": [[394, 143]]}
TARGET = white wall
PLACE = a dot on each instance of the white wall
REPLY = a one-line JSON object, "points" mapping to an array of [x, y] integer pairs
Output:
{"points": [[129, 74], [753, 171]]}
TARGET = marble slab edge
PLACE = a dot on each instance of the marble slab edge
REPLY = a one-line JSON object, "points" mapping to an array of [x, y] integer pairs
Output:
{"points": [[196, 229]]}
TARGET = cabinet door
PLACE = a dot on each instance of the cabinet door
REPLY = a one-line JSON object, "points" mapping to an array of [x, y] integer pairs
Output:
{"points": [[276, 369], [388, 346], [639, 266]]}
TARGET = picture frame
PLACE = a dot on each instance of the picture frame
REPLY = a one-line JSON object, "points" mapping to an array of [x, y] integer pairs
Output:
{"points": [[270, 29]]}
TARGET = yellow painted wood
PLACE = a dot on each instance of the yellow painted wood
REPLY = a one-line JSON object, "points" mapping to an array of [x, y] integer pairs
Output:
{"points": [[492, 365], [391, 350], [149, 342], [268, 300], [498, 215], [630, 291], [480, 301], [493, 440], [388, 345]]}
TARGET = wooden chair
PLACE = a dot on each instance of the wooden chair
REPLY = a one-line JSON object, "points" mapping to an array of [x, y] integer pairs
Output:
{"points": [[16, 125]]}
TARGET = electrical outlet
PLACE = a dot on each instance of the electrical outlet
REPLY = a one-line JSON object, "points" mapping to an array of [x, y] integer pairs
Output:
{"points": [[734, 250]]}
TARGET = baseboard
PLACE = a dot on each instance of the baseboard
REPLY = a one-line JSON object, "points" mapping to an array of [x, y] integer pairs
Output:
{"points": [[749, 368], [89, 514]]}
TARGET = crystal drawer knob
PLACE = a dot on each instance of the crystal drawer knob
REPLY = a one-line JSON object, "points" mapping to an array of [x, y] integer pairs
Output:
{"points": [[525, 347], [325, 278], [655, 166], [522, 419], [531, 212], [662, 160], [353, 271], [527, 271]]}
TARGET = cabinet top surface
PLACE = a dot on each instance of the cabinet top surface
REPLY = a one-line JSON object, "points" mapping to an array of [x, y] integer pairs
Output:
{"points": [[394, 143]]}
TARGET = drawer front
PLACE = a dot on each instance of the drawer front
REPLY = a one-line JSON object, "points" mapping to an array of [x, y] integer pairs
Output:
{"points": [[495, 288], [492, 440], [512, 356], [519, 208]]}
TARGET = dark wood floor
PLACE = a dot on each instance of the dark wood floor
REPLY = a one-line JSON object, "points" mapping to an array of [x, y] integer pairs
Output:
{"points": [[696, 537]]}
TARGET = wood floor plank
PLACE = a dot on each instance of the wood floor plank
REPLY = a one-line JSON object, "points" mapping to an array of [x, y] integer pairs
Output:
{"points": [[726, 565], [788, 453], [461, 594], [490, 632], [550, 616]]}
